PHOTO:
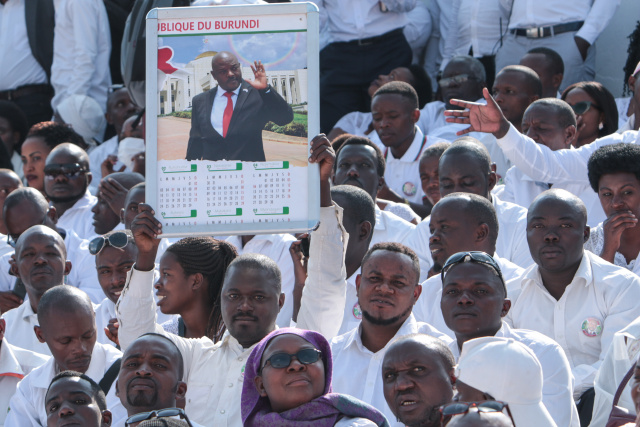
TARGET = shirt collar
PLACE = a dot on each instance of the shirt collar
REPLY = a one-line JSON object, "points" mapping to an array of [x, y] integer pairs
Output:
{"points": [[27, 311], [220, 93], [9, 365], [414, 150], [409, 326], [379, 219]]}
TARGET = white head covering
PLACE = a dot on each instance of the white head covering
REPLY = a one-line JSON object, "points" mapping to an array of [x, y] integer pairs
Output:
{"points": [[508, 371], [85, 116], [129, 147]]}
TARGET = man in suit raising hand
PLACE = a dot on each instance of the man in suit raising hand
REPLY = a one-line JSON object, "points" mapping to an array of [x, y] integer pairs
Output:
{"points": [[227, 121]]}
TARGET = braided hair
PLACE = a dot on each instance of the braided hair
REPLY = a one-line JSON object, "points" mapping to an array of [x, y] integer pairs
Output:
{"points": [[209, 257]]}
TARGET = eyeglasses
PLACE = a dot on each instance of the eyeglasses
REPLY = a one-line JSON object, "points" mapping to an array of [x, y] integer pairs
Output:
{"points": [[69, 170], [461, 408], [472, 256], [305, 356], [118, 240], [457, 80], [583, 106], [169, 412]]}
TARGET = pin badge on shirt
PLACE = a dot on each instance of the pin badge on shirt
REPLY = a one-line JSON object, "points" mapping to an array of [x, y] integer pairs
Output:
{"points": [[357, 313], [409, 189], [592, 327]]}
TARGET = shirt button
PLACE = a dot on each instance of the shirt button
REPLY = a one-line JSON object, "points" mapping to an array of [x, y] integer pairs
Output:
{"points": [[240, 359], [222, 412], [230, 384]]}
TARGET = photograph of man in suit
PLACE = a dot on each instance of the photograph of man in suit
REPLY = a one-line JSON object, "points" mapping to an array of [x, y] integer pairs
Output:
{"points": [[227, 121]]}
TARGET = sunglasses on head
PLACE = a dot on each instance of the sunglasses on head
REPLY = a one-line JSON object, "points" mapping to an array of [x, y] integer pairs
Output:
{"points": [[69, 170], [459, 79], [477, 257], [162, 413], [461, 408], [305, 356], [118, 240], [583, 106]]}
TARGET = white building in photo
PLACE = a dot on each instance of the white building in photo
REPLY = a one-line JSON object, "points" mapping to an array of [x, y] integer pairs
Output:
{"points": [[176, 94]]}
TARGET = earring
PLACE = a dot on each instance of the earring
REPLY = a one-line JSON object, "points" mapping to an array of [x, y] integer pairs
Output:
{"points": [[601, 126]]}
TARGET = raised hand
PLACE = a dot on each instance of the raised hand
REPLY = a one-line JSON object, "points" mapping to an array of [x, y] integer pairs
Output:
{"points": [[323, 154], [259, 81], [113, 193], [613, 228], [146, 229], [482, 118]]}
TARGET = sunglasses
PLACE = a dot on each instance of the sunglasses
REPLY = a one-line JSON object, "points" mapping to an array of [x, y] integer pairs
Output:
{"points": [[69, 170], [118, 240], [473, 256], [461, 408], [169, 412], [457, 80], [305, 356], [583, 106]]}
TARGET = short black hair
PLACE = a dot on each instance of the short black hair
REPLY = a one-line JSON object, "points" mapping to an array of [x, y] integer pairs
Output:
{"points": [[563, 111], [633, 57], [28, 194], [473, 147], [532, 80], [16, 118], [422, 84], [172, 345], [434, 344], [260, 262], [614, 158], [399, 88], [554, 58], [479, 208], [603, 99], [435, 150], [381, 164], [55, 134], [63, 298], [359, 206], [397, 248], [96, 391]]}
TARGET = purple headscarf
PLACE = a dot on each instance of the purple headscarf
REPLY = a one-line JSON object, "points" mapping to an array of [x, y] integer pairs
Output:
{"points": [[323, 411]]}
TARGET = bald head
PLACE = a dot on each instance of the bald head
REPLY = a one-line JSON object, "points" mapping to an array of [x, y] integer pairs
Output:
{"points": [[530, 80], [9, 177], [63, 299], [226, 70], [572, 204], [69, 151], [466, 167], [40, 232], [481, 419]]}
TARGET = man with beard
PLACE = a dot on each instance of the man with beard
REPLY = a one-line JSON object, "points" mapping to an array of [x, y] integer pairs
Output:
{"points": [[417, 376], [66, 180], [68, 328], [150, 377]]}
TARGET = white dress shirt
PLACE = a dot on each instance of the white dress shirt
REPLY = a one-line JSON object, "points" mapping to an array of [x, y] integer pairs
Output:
{"points": [[15, 364], [621, 356], [357, 371], [600, 300], [79, 217], [219, 105], [401, 210], [521, 190], [105, 311], [390, 228], [428, 310], [276, 247], [27, 406], [81, 51], [19, 331], [596, 243], [596, 14], [360, 19], [557, 388], [99, 155], [19, 66]]}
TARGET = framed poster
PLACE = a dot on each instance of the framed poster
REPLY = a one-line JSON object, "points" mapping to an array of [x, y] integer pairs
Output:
{"points": [[232, 100]]}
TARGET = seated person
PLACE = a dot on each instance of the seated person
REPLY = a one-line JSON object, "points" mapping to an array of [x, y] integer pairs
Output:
{"points": [[68, 328], [515, 88], [15, 126], [503, 369], [15, 364], [417, 373], [66, 183], [280, 390], [74, 398], [428, 168], [633, 110], [550, 122], [112, 192], [549, 66], [481, 418], [9, 181]]}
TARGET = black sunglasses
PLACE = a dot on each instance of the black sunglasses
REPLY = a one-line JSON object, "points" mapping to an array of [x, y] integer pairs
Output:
{"points": [[118, 240], [461, 408], [583, 106], [472, 256], [162, 413], [458, 80], [305, 356], [69, 170]]}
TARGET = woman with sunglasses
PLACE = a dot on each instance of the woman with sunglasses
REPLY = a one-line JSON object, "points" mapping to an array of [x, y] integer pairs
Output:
{"points": [[287, 382], [595, 108]]}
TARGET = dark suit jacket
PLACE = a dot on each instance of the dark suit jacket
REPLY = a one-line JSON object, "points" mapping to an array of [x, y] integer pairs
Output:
{"points": [[252, 111], [39, 17]]}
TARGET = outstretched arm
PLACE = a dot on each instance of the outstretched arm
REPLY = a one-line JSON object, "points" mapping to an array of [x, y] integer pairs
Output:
{"points": [[481, 118]]}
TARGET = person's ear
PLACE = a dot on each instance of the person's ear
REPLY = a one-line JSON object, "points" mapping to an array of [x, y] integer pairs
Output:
{"points": [[556, 80], [365, 230], [38, 331], [358, 277], [13, 266], [52, 213], [570, 135], [533, 98], [281, 301], [415, 115], [380, 183], [107, 417], [198, 280], [260, 386], [587, 232], [417, 291], [89, 177], [631, 82], [3, 327], [117, 389], [506, 306], [493, 177], [482, 232], [181, 390], [452, 377], [67, 268]]}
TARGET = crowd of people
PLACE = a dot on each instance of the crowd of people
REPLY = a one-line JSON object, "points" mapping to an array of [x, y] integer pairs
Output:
{"points": [[476, 263]]}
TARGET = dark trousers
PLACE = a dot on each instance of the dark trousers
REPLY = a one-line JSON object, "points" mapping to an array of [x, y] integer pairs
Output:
{"points": [[585, 407], [347, 70]]}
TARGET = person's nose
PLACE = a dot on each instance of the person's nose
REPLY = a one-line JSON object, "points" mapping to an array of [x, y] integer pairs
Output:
{"points": [[617, 201], [143, 370], [245, 305], [551, 236], [65, 410], [435, 237], [353, 171], [403, 382], [465, 299], [296, 366], [531, 133]]}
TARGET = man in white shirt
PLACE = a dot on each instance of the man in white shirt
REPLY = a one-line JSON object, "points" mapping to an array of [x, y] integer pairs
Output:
{"points": [[549, 66], [515, 88], [66, 181], [15, 364], [570, 294], [27, 207], [68, 328], [474, 300], [569, 28], [250, 303], [81, 51], [112, 193]]}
